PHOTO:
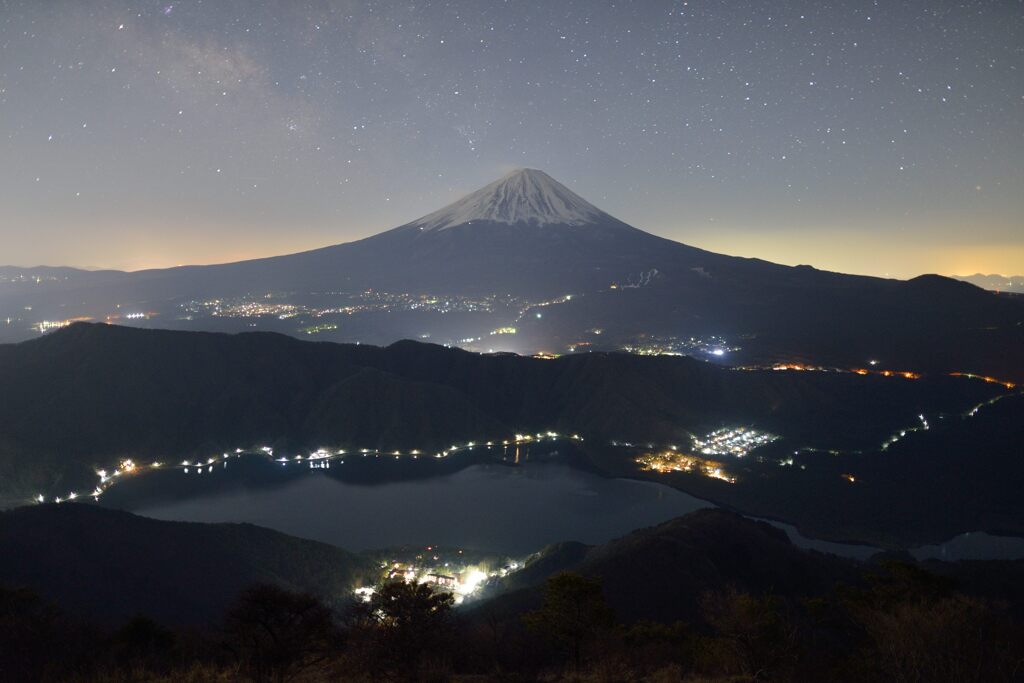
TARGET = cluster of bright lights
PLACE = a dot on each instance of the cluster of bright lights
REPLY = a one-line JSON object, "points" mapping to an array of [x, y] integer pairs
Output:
{"points": [[714, 346], [672, 460], [463, 581], [45, 326], [357, 302], [735, 441]]}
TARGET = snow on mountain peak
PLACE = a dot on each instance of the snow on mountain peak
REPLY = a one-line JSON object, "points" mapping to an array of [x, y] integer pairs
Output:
{"points": [[523, 196]]}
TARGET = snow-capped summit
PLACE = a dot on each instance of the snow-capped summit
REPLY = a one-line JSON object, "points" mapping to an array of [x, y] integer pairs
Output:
{"points": [[523, 196]]}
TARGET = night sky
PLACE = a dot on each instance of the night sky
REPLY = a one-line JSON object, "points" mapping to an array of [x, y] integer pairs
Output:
{"points": [[868, 137]]}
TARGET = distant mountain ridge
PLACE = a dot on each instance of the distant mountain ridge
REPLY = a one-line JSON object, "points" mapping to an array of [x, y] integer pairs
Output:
{"points": [[994, 282], [528, 237]]}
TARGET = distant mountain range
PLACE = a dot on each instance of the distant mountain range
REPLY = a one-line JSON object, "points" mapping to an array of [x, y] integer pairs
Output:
{"points": [[996, 283], [568, 275]]}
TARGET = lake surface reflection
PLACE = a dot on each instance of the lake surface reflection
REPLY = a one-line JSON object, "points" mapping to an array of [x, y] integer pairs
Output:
{"points": [[473, 501], [483, 506]]}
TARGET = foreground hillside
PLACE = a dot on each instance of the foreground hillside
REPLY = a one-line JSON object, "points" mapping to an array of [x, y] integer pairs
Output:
{"points": [[109, 565], [708, 596], [83, 398], [660, 573]]}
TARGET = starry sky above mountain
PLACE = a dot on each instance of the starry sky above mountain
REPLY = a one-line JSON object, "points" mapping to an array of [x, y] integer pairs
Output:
{"points": [[868, 137]]}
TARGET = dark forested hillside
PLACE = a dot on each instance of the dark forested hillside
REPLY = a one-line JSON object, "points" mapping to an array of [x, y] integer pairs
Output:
{"points": [[111, 565], [660, 573], [82, 397]]}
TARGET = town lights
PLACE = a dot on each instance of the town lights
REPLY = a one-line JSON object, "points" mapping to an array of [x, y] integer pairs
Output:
{"points": [[737, 441], [471, 580], [322, 456], [672, 461]]}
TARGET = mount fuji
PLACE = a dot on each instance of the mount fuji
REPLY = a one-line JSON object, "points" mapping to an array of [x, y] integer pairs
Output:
{"points": [[525, 234], [529, 238], [524, 196]]}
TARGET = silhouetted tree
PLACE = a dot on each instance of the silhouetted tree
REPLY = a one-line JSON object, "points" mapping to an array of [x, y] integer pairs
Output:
{"points": [[38, 642], [751, 633], [402, 626], [651, 645], [276, 634], [142, 643], [917, 628], [573, 613]]}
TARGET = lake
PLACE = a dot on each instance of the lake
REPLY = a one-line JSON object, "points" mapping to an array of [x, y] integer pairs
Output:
{"points": [[465, 501], [486, 506]]}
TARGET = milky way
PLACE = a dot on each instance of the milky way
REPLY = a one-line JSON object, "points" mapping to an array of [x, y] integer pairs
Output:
{"points": [[868, 137]]}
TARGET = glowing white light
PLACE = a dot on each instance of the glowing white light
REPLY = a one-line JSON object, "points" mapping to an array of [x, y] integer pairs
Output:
{"points": [[471, 581]]}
